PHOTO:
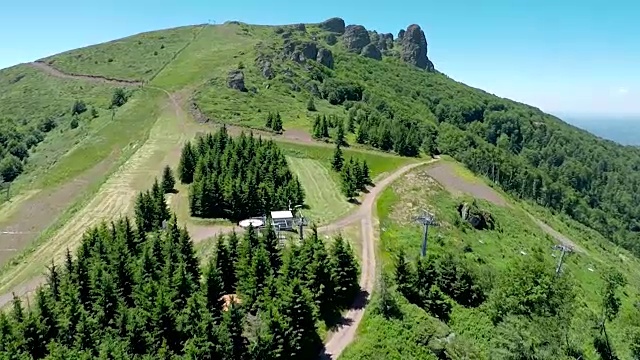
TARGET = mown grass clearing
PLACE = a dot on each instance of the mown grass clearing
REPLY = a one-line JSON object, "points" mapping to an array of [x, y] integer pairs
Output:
{"points": [[323, 195], [137, 57]]}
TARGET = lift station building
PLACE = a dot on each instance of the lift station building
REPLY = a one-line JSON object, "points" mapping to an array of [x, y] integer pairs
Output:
{"points": [[283, 219]]}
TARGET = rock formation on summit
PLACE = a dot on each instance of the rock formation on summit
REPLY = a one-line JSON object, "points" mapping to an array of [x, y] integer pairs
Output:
{"points": [[401, 34], [335, 25], [414, 48], [371, 51], [355, 38]]}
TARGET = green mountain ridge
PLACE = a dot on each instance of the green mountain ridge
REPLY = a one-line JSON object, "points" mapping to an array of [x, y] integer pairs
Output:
{"points": [[384, 91]]}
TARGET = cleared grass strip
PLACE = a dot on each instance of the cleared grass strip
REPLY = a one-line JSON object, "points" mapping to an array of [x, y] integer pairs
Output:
{"points": [[323, 195]]}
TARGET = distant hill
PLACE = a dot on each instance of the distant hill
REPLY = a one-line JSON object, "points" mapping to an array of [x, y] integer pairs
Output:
{"points": [[623, 130]]}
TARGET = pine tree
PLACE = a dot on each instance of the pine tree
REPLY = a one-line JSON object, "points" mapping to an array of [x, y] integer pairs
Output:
{"points": [[324, 126], [349, 187], [404, 276], [361, 134], [233, 322], [317, 128], [340, 134], [301, 339], [338, 159], [187, 166], [277, 123], [318, 274], [366, 178], [269, 123], [311, 106], [168, 181], [271, 244], [344, 271], [213, 289], [356, 174], [351, 122], [226, 268]]}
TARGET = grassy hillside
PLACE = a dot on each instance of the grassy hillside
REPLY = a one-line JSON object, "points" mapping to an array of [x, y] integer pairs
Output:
{"points": [[491, 256], [139, 57]]}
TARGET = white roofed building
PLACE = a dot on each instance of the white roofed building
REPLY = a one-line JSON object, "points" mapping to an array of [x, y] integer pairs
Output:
{"points": [[282, 219]]}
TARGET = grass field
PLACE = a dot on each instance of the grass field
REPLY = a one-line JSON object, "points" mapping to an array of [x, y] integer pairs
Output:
{"points": [[323, 195], [493, 251], [137, 57]]}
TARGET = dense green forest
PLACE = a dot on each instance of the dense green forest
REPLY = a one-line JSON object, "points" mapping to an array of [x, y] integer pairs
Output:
{"points": [[139, 292], [237, 178]]}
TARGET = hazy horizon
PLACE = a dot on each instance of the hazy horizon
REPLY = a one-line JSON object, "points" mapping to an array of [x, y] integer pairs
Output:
{"points": [[624, 130]]}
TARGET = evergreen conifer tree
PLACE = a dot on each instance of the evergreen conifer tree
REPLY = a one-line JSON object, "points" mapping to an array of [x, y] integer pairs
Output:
{"points": [[324, 125], [187, 166], [361, 134], [269, 123], [302, 340], [311, 106], [233, 322], [277, 123], [344, 271], [317, 127], [338, 159], [340, 133], [213, 289], [168, 181], [349, 187]]}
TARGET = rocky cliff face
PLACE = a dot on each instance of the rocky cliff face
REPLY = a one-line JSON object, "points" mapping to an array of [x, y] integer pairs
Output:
{"points": [[355, 38], [325, 57], [414, 48]]}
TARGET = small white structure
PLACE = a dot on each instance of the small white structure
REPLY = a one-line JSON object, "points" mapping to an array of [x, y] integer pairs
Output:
{"points": [[256, 223], [282, 219]]}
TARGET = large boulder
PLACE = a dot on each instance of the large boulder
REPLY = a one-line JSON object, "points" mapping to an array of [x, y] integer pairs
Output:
{"points": [[309, 50], [235, 80], [355, 38], [335, 25], [414, 48], [299, 27], [266, 69], [477, 218], [325, 57], [371, 51]]}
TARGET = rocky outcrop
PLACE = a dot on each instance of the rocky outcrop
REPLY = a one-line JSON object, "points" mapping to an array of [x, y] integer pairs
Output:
{"points": [[355, 38], [335, 25], [331, 39], [235, 80], [309, 50], [401, 34], [266, 69], [477, 218], [325, 57], [414, 48], [299, 27], [300, 51], [371, 51], [385, 41]]}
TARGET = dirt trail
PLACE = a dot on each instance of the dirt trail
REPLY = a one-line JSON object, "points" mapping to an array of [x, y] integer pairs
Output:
{"points": [[343, 336], [47, 68]]}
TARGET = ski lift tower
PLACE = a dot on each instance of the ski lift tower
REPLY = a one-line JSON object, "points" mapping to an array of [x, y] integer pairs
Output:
{"points": [[427, 219], [563, 250], [300, 220]]}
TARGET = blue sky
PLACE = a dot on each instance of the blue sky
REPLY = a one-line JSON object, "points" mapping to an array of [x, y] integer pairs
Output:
{"points": [[564, 56]]}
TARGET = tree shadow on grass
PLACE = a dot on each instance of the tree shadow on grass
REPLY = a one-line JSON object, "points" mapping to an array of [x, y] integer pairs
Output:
{"points": [[354, 201]]}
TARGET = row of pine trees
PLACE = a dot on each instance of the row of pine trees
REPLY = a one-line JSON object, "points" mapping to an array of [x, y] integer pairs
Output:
{"points": [[140, 292], [237, 178]]}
